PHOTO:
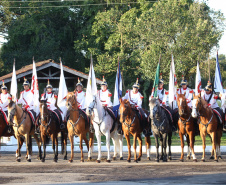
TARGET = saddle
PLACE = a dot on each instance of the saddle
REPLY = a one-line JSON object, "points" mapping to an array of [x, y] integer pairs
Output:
{"points": [[56, 115], [219, 117], [84, 115], [112, 114], [32, 115]]}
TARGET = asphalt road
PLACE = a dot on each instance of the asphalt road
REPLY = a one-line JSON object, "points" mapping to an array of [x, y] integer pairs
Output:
{"points": [[117, 172]]}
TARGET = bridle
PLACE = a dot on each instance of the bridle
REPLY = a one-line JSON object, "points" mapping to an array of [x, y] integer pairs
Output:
{"points": [[45, 117], [129, 125], [158, 118]]}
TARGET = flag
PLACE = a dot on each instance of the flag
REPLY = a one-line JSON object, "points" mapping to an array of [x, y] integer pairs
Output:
{"points": [[13, 88], [91, 85], [156, 82], [172, 83], [218, 80], [34, 89], [197, 80], [118, 87]]}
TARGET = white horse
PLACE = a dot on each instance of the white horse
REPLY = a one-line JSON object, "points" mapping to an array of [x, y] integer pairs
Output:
{"points": [[103, 123]]}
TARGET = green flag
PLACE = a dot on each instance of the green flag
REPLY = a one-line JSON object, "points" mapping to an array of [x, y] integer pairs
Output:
{"points": [[156, 82]]}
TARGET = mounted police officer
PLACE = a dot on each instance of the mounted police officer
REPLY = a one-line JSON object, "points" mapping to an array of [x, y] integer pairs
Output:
{"points": [[162, 97], [4, 101], [51, 104], [27, 101], [211, 98], [188, 92]]}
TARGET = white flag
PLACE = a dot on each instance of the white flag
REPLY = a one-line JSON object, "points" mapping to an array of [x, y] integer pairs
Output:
{"points": [[13, 88], [218, 80], [197, 80], [172, 80], [118, 87], [34, 89]]}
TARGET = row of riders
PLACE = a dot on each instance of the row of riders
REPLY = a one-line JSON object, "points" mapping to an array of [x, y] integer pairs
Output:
{"points": [[102, 118]]}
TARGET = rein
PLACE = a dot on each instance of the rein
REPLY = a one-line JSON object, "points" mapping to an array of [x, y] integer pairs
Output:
{"points": [[74, 124], [158, 119], [18, 125], [129, 125]]}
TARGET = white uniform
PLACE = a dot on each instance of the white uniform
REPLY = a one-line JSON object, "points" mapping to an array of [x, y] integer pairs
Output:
{"points": [[105, 97], [81, 96], [134, 98], [162, 94], [27, 99], [51, 100], [188, 94], [4, 101], [213, 101]]}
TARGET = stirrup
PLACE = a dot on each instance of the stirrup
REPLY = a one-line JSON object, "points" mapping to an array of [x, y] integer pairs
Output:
{"points": [[224, 128], [120, 132], [91, 129], [62, 126], [37, 131], [9, 130]]}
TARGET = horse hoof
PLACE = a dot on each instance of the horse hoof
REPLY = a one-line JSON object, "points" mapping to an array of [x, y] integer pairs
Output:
{"points": [[82, 161], [157, 160], [170, 158], [26, 157], [161, 158], [181, 160], [121, 158], [219, 157], [164, 160], [18, 160], [215, 160], [139, 159], [203, 160], [43, 160], [29, 160], [114, 158], [55, 160], [65, 157], [98, 161], [70, 161], [136, 160], [89, 158], [108, 161], [211, 157], [188, 157], [195, 160], [128, 160], [148, 158]]}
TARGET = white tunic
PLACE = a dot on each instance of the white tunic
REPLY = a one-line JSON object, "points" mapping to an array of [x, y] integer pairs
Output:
{"points": [[51, 100], [134, 98], [213, 101], [188, 95], [26, 99], [105, 97], [80, 96], [4, 101], [162, 95]]}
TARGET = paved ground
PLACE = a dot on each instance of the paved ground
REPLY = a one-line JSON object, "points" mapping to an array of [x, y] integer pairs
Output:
{"points": [[120, 172]]}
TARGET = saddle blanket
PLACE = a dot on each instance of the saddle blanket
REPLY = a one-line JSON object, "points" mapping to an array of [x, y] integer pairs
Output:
{"points": [[5, 115]]}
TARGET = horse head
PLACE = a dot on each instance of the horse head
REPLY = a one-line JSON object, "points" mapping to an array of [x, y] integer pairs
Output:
{"points": [[11, 110], [197, 105], [154, 107], [43, 110], [181, 103], [91, 106], [124, 109], [71, 100]]}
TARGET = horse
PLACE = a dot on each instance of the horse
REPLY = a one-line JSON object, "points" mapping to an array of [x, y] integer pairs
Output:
{"points": [[208, 125], [186, 126], [22, 126], [104, 125], [49, 128], [161, 129], [131, 125], [76, 125]]}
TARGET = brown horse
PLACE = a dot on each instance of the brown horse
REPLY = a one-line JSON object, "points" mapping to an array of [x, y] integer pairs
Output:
{"points": [[7, 131], [49, 127], [208, 124], [131, 125], [186, 126], [22, 126], [76, 125]]}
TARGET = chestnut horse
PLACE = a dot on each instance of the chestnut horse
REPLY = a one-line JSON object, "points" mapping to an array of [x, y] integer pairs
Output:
{"points": [[50, 127], [208, 124], [131, 125], [186, 126], [76, 125], [22, 126]]}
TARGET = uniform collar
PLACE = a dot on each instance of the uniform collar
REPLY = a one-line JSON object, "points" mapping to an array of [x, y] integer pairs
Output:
{"points": [[135, 92], [79, 91], [27, 90], [4, 93], [49, 92], [184, 89], [160, 88], [104, 90]]}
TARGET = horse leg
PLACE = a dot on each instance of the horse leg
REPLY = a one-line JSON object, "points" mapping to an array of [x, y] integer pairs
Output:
{"points": [[64, 143], [169, 145], [43, 139], [157, 147], [148, 143], [135, 147], [27, 138], [203, 136], [192, 143], [182, 146], [115, 144], [161, 143], [18, 157], [91, 135], [129, 146], [121, 146], [53, 137], [56, 141], [71, 138], [188, 144], [140, 144], [164, 147], [81, 147], [39, 146], [213, 136], [98, 136]]}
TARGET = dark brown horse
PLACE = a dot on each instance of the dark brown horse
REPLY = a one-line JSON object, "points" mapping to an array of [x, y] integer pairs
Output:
{"points": [[208, 124], [186, 126], [131, 125], [49, 128], [76, 125]]}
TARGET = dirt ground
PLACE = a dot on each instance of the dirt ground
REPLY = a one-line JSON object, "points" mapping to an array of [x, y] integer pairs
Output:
{"points": [[143, 172]]}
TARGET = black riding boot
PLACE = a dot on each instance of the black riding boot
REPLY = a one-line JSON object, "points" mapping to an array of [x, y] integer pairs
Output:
{"points": [[119, 130]]}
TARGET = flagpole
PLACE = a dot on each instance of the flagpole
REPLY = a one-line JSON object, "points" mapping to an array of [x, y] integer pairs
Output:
{"points": [[209, 65]]}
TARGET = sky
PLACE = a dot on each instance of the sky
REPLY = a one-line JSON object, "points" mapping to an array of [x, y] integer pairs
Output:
{"points": [[216, 5]]}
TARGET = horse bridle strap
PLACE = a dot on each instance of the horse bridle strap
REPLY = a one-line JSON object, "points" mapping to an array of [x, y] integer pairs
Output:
{"points": [[206, 125], [22, 120], [130, 125], [185, 121]]}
